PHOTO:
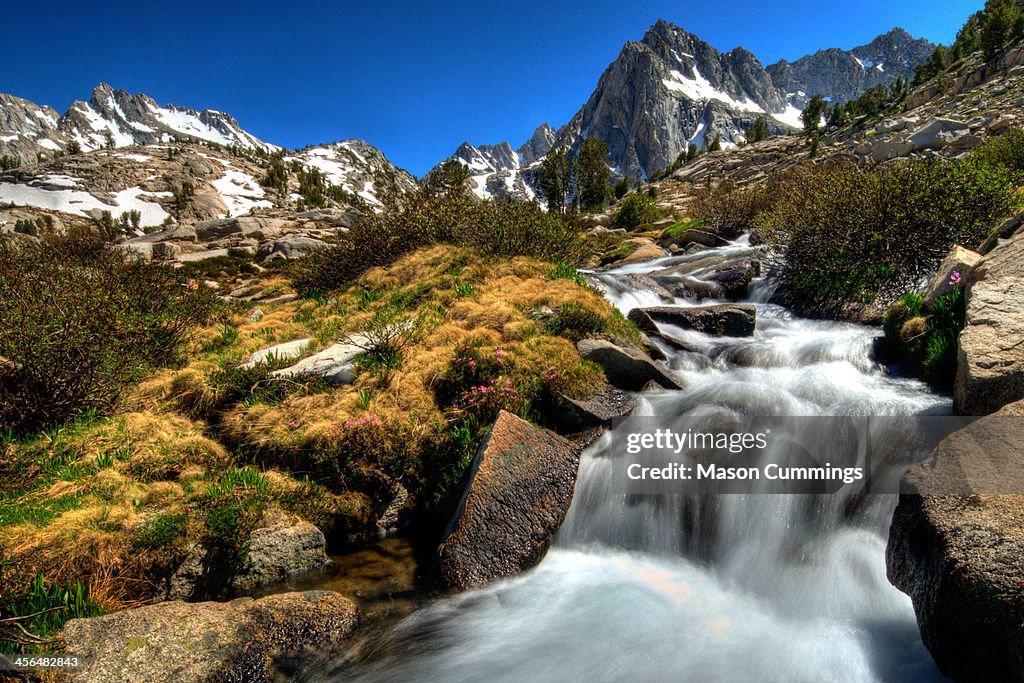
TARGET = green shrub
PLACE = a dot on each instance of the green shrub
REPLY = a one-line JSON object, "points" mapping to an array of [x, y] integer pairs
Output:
{"points": [[575, 323], [1006, 150], [82, 322], [53, 606], [159, 531], [727, 209], [850, 235], [490, 228], [925, 337], [637, 209]]}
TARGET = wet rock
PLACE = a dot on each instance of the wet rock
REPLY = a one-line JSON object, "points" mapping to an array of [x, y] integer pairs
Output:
{"points": [[990, 362], [647, 251], [957, 549], [735, 282], [960, 261], [520, 487], [693, 236], [573, 415], [646, 284], [241, 640], [726, 320], [626, 368]]}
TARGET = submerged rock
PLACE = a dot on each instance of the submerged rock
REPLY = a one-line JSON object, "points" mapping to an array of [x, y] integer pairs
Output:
{"points": [[241, 640], [956, 546], [726, 320], [520, 488], [626, 368]]}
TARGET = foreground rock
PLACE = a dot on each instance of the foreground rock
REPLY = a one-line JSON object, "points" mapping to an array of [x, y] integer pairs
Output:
{"points": [[626, 368], [957, 548], [990, 365], [241, 640], [520, 488], [959, 263], [277, 551], [726, 320], [336, 363], [573, 415]]}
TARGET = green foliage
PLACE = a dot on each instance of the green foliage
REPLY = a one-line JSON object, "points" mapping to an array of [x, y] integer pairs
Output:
{"points": [[160, 530], [72, 148], [924, 337], [1006, 150], [276, 176], [388, 334], [183, 193], [758, 131], [592, 174], [565, 271], [937, 63], [487, 227], [7, 162], [555, 179], [716, 144], [727, 209], [450, 177], [48, 609], [638, 209], [855, 235], [575, 323], [811, 115], [91, 320]]}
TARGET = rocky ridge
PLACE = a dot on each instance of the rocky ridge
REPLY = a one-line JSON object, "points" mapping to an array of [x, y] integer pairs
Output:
{"points": [[671, 89]]}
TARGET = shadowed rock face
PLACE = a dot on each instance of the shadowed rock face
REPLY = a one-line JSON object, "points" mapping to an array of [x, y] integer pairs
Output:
{"points": [[519, 491], [239, 640], [725, 320], [956, 546]]}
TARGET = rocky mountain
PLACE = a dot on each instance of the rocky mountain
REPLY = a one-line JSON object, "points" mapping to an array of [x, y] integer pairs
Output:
{"points": [[137, 159], [671, 89], [842, 75], [358, 168], [111, 118]]}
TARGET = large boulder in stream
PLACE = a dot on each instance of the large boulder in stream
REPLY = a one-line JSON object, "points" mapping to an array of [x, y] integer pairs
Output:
{"points": [[726, 320], [956, 546], [627, 369], [990, 365], [241, 640], [520, 487]]}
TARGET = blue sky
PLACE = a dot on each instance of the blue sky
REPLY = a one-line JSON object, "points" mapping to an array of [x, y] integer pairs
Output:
{"points": [[412, 78]]}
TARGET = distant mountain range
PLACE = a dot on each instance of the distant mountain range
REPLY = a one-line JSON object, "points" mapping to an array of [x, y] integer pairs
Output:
{"points": [[660, 95], [672, 89]]}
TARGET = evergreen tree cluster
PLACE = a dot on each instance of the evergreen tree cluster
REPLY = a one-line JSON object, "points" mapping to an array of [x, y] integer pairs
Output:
{"points": [[580, 181]]}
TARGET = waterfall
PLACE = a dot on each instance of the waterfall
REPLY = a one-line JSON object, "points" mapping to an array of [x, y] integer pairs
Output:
{"points": [[680, 587]]}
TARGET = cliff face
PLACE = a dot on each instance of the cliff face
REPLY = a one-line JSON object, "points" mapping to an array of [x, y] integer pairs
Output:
{"points": [[671, 89]]}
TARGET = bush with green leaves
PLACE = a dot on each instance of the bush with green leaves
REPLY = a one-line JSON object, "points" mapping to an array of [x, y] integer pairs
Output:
{"points": [[488, 227], [728, 209], [848, 235], [82, 322], [32, 617], [924, 337], [636, 210]]}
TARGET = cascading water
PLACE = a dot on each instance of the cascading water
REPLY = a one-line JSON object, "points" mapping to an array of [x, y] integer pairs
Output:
{"points": [[740, 587]]}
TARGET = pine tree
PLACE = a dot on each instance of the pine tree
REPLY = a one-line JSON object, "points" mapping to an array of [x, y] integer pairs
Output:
{"points": [[1000, 17], [692, 152], [812, 113], [716, 144], [758, 131], [592, 174], [449, 177], [555, 179]]}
